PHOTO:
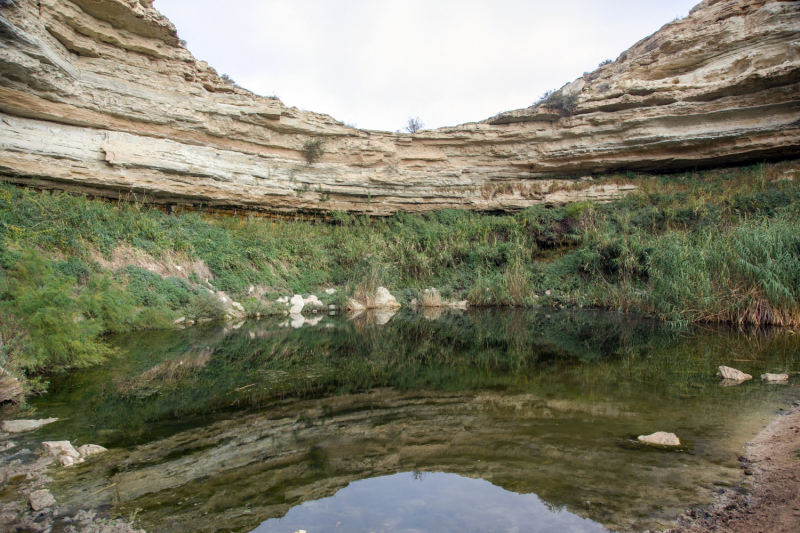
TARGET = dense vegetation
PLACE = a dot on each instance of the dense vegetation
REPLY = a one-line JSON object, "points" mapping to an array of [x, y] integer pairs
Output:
{"points": [[720, 245]]}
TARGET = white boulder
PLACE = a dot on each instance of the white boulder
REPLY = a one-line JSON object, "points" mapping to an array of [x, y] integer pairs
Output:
{"points": [[330, 291], [21, 426], [775, 378], [313, 301], [384, 299], [661, 438], [297, 304], [728, 373], [64, 451]]}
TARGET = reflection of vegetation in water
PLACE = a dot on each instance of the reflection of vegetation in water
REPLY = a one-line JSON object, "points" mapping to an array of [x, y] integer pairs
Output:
{"points": [[260, 418], [173, 379]]}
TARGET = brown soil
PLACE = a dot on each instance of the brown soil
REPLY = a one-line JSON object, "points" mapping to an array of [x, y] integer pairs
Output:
{"points": [[773, 504]]}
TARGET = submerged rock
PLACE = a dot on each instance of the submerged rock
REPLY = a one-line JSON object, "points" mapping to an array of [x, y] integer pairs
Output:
{"points": [[90, 449], [21, 426], [728, 373], [661, 438], [41, 499], [775, 378]]}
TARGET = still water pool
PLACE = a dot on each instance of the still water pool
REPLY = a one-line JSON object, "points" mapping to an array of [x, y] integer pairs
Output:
{"points": [[484, 421]]}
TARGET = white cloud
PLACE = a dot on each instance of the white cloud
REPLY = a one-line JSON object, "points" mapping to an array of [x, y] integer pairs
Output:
{"points": [[377, 62]]}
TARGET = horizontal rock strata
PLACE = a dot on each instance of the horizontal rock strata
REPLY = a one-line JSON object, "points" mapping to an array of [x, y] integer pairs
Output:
{"points": [[101, 96]]}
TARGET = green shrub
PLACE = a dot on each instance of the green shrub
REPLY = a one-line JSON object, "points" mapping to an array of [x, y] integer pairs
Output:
{"points": [[313, 149], [58, 334], [559, 102], [205, 306], [151, 290], [107, 303]]}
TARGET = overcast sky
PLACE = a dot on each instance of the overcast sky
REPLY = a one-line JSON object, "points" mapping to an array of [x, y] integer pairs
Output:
{"points": [[374, 63]]}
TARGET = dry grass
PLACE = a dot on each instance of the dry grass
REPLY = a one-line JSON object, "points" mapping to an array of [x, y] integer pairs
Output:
{"points": [[432, 298], [171, 264]]}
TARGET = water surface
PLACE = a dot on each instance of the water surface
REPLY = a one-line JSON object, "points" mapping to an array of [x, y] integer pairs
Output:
{"points": [[509, 421]]}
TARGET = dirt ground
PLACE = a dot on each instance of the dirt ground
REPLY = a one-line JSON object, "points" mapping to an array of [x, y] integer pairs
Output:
{"points": [[773, 504]]}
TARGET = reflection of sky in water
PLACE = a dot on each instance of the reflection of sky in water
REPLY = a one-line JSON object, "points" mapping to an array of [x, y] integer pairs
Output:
{"points": [[429, 502]]}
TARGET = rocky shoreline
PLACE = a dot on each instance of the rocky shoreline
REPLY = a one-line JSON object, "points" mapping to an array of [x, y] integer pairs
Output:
{"points": [[768, 500], [25, 502]]}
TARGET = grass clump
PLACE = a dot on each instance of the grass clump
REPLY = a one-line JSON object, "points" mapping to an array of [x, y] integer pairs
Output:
{"points": [[313, 150], [559, 102]]}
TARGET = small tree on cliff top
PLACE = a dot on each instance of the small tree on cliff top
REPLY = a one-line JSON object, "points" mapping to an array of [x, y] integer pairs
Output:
{"points": [[414, 125]]}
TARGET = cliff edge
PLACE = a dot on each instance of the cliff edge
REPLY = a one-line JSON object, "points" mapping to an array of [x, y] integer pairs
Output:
{"points": [[101, 96]]}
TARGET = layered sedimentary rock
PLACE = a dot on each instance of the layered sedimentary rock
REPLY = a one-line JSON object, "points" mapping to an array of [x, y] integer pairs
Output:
{"points": [[101, 96]]}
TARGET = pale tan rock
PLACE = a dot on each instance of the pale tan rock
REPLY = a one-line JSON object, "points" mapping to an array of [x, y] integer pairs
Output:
{"points": [[64, 451], [661, 438], [775, 378], [731, 374], [312, 301], [297, 304], [384, 299], [41, 499], [22, 426], [88, 450], [100, 96]]}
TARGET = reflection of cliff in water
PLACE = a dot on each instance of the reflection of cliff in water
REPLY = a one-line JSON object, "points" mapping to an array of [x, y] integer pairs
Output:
{"points": [[248, 423]]}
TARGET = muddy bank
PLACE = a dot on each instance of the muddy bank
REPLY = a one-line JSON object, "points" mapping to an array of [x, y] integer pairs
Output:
{"points": [[769, 500]]}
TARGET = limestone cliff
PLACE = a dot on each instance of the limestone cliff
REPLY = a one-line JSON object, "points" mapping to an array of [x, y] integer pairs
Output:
{"points": [[101, 96]]}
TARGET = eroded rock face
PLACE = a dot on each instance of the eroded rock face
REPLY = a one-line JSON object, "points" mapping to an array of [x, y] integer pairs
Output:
{"points": [[100, 96]]}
